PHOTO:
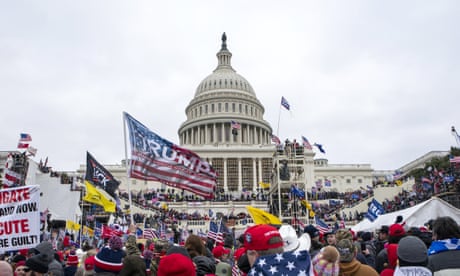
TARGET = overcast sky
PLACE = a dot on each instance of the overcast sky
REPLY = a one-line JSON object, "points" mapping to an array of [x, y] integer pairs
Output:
{"points": [[375, 82]]}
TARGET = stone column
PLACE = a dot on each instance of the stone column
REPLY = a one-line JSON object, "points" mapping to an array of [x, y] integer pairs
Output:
{"points": [[225, 175], [240, 176]]}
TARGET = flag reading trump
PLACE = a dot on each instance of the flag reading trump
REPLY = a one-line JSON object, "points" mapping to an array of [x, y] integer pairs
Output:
{"points": [[157, 159]]}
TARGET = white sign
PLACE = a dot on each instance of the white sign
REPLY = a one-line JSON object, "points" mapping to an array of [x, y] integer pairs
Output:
{"points": [[19, 218]]}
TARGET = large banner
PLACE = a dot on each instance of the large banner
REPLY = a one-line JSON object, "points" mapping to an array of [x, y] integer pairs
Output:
{"points": [[19, 218]]}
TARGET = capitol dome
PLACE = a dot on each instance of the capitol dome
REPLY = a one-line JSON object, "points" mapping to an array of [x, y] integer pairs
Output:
{"points": [[221, 98]]}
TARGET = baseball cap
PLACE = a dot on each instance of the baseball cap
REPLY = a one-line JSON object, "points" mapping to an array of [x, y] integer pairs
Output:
{"points": [[396, 230], [346, 250], [218, 251], [262, 237]]}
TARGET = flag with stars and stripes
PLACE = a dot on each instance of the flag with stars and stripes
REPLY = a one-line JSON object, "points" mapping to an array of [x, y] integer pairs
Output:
{"points": [[154, 158], [287, 263]]}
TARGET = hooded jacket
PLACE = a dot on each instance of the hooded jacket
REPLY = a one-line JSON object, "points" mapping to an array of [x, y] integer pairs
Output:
{"points": [[355, 268]]}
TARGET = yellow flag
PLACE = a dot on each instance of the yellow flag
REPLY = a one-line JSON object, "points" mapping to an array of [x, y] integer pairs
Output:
{"points": [[398, 182], [264, 185], [261, 217], [306, 204], [96, 196], [88, 231], [70, 225]]}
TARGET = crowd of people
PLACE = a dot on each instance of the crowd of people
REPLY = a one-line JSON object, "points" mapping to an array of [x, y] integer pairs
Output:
{"points": [[396, 249]]}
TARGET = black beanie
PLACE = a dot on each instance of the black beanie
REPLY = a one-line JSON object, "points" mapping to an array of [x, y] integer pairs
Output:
{"points": [[38, 263]]}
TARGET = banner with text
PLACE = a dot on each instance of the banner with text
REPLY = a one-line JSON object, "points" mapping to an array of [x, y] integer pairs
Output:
{"points": [[19, 218]]}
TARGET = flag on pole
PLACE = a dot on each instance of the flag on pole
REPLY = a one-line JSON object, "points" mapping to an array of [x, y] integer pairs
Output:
{"points": [[22, 145], [157, 159], [262, 217], [454, 159], [11, 179], [285, 103], [97, 197], [25, 137], [305, 143], [321, 225], [235, 125], [276, 140], [100, 177], [214, 232], [375, 209], [320, 147]]}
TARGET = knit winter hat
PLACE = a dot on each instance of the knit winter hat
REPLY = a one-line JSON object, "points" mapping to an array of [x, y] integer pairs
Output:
{"points": [[38, 263], [108, 259], [176, 265], [325, 263], [262, 237], [346, 249], [72, 259], [412, 250]]}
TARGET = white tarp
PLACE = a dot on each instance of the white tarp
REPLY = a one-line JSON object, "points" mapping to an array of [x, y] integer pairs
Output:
{"points": [[57, 198], [416, 215]]}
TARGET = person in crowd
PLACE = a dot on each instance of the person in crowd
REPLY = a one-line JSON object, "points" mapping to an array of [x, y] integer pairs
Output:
{"points": [[133, 263], [361, 256], [197, 250], [326, 262], [266, 254], [5, 269], [316, 245], [349, 265], [444, 252], [46, 249], [221, 254], [176, 264], [37, 265], [412, 258], [382, 239], [71, 264], [20, 268], [109, 260], [330, 238], [396, 232]]}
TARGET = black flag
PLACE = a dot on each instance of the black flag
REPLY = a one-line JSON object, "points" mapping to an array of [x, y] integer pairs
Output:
{"points": [[97, 175]]}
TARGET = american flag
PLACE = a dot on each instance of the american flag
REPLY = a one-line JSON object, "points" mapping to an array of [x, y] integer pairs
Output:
{"points": [[214, 232], [235, 270], [235, 125], [306, 143], [285, 103], [25, 137], [154, 158], [276, 140], [162, 230], [321, 225], [12, 178], [287, 263], [455, 159], [150, 233]]}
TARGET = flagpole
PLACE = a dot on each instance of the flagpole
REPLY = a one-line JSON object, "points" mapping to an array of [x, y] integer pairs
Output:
{"points": [[127, 170], [278, 127]]}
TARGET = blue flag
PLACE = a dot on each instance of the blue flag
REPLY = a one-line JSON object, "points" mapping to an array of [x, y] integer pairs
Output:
{"points": [[285, 103], [297, 192], [287, 263], [320, 147], [375, 209]]}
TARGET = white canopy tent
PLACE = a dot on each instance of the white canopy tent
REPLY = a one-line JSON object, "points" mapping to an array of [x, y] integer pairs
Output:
{"points": [[416, 215]]}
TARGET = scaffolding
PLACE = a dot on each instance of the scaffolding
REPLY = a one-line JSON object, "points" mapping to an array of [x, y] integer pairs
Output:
{"points": [[293, 167]]}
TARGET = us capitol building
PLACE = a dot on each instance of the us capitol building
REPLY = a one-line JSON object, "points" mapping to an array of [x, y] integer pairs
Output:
{"points": [[245, 156]]}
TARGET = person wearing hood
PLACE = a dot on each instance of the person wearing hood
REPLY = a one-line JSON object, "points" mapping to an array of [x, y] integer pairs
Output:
{"points": [[54, 267]]}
